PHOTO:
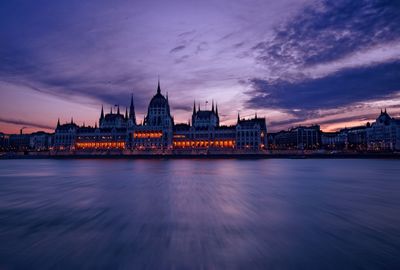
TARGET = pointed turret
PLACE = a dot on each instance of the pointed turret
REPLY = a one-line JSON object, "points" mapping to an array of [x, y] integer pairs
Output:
{"points": [[194, 107], [238, 118], [58, 122], [102, 112], [216, 110], [212, 106], [198, 109], [132, 115], [126, 112]]}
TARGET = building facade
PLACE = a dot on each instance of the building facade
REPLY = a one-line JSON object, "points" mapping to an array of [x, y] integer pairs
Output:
{"points": [[297, 138], [384, 133], [157, 132]]}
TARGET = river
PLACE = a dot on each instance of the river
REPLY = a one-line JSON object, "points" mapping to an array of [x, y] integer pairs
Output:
{"points": [[200, 214]]}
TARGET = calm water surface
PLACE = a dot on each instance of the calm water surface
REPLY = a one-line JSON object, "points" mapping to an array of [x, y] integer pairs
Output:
{"points": [[200, 214]]}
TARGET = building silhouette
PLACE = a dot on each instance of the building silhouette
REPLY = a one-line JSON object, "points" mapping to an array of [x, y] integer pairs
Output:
{"points": [[158, 132]]}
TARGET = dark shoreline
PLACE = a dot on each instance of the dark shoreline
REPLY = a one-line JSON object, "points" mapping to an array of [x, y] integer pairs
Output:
{"points": [[212, 156]]}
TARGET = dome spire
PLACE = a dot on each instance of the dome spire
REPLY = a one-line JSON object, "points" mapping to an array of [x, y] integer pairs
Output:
{"points": [[158, 86]]}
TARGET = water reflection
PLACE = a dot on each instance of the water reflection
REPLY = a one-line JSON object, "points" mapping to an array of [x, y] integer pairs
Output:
{"points": [[199, 214]]}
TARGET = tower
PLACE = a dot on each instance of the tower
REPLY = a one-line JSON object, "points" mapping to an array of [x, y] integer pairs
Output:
{"points": [[132, 116], [101, 115]]}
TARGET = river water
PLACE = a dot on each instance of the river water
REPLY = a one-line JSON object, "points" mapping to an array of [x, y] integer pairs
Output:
{"points": [[200, 214]]}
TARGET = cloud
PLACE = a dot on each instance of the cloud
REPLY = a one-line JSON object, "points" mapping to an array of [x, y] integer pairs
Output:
{"points": [[25, 123], [337, 90], [177, 49], [327, 31]]}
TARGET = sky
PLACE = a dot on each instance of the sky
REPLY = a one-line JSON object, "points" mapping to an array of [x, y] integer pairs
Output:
{"points": [[294, 62]]}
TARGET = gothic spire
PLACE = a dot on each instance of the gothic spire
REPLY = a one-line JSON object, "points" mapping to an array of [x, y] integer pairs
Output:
{"points": [[216, 109], [126, 112], [102, 112], [158, 86], [238, 118], [118, 109], [58, 122], [212, 106], [132, 111], [72, 120], [194, 107]]}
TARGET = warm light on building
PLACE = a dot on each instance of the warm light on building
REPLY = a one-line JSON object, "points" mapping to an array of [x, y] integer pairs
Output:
{"points": [[204, 144], [147, 134], [100, 145]]}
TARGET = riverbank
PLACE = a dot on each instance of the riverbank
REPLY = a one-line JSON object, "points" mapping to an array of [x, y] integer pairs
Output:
{"points": [[205, 156]]}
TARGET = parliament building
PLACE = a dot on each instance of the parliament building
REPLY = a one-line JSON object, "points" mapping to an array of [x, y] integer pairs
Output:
{"points": [[117, 131]]}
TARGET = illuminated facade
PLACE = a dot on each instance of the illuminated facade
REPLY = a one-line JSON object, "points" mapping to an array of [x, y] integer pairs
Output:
{"points": [[89, 138], [205, 133], [157, 132]]}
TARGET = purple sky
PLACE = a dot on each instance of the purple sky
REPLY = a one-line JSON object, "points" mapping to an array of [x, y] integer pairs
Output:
{"points": [[336, 63]]}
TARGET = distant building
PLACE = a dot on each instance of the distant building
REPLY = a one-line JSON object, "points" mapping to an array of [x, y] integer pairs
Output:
{"points": [[40, 141], [251, 133], [4, 142], [297, 138], [384, 133], [19, 142], [356, 137], [334, 140], [65, 135]]}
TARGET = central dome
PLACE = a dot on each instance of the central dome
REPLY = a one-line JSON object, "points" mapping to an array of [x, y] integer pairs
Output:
{"points": [[158, 113], [158, 99]]}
